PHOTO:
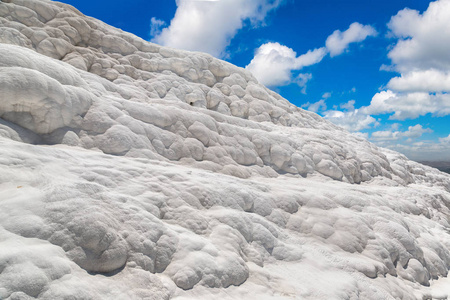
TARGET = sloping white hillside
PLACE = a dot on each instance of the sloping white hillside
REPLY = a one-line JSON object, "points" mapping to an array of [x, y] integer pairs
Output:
{"points": [[134, 171]]}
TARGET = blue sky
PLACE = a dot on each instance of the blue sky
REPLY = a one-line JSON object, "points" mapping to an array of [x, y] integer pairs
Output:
{"points": [[380, 69]]}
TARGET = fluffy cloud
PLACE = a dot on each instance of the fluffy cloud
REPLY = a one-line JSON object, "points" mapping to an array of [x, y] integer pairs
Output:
{"points": [[311, 57], [431, 80], [445, 140], [339, 41], [302, 79], [422, 150], [413, 132], [319, 105], [423, 39], [350, 105], [273, 63], [350, 120], [155, 26], [416, 131], [403, 141], [326, 95], [208, 26], [316, 106], [408, 105], [421, 56]]}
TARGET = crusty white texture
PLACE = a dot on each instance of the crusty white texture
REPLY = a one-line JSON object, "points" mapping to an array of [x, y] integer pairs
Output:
{"points": [[134, 171], [125, 96]]}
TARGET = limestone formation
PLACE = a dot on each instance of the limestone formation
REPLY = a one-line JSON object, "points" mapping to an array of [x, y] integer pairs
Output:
{"points": [[134, 171]]}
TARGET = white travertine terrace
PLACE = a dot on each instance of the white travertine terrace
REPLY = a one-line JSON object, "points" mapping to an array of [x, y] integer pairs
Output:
{"points": [[134, 171]]}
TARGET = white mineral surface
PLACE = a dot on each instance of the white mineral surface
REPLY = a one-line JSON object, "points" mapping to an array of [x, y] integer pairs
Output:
{"points": [[134, 171]]}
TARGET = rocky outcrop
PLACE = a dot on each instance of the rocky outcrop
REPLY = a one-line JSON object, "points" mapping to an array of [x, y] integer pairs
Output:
{"points": [[115, 164], [115, 92]]}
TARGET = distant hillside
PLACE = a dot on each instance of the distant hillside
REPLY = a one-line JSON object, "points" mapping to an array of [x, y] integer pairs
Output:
{"points": [[443, 166]]}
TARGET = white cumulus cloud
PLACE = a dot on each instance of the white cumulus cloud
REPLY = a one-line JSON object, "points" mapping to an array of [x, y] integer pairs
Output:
{"points": [[155, 26], [302, 79], [445, 140], [413, 132], [316, 106], [311, 57], [406, 142], [350, 105], [423, 39], [209, 26], [273, 63], [339, 41], [418, 150], [431, 80], [352, 121], [423, 150], [408, 105], [421, 56]]}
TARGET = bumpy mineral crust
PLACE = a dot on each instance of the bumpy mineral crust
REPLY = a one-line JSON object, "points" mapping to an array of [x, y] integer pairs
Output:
{"points": [[134, 171]]}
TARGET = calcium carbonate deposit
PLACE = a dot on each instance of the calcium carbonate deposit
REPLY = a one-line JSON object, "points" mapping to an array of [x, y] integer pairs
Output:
{"points": [[134, 171]]}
